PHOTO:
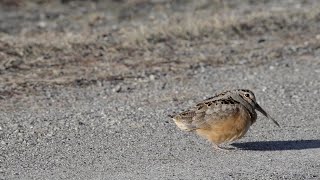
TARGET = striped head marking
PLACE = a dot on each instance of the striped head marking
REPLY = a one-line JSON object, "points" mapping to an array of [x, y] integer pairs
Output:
{"points": [[248, 96], [248, 99]]}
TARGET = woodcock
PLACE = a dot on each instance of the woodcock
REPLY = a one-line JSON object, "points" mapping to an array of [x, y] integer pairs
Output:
{"points": [[222, 118]]}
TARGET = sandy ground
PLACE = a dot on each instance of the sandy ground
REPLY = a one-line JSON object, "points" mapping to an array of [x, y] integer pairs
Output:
{"points": [[86, 88]]}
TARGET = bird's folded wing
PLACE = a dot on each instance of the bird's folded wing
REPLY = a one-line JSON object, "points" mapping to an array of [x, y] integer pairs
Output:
{"points": [[207, 113]]}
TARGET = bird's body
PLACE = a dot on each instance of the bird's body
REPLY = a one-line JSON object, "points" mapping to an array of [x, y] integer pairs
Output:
{"points": [[222, 118]]}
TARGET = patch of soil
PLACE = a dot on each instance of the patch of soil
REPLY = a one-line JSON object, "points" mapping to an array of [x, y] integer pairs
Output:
{"points": [[46, 43]]}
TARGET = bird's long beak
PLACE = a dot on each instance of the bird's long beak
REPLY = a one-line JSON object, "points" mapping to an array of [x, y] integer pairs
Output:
{"points": [[266, 114]]}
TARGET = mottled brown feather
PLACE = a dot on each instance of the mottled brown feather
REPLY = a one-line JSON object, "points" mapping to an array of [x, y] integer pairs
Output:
{"points": [[222, 118], [206, 113]]}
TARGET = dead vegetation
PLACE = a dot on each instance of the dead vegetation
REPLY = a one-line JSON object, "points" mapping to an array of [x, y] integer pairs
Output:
{"points": [[156, 46]]}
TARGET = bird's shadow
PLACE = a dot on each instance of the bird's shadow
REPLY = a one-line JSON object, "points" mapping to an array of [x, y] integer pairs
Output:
{"points": [[278, 145]]}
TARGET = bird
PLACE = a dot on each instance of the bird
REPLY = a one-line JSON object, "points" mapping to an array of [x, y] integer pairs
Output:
{"points": [[223, 118]]}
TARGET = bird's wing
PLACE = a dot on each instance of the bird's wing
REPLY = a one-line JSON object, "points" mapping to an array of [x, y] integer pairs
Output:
{"points": [[207, 112]]}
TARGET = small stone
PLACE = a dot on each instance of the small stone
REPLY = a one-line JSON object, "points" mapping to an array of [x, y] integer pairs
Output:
{"points": [[42, 24], [264, 89], [116, 89], [152, 77]]}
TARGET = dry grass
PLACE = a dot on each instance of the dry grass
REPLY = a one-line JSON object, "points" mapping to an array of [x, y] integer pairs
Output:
{"points": [[180, 42], [195, 26]]}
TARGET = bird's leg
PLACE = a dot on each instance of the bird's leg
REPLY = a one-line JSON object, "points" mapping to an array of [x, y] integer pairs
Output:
{"points": [[217, 147]]}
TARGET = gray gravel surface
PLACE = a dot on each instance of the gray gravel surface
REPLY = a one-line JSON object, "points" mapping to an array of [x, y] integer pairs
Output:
{"points": [[122, 131]]}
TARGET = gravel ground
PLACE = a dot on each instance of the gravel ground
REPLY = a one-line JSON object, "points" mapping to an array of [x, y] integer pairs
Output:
{"points": [[58, 122], [98, 133]]}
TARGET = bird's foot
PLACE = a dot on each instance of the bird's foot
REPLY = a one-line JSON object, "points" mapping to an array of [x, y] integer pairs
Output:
{"points": [[217, 147]]}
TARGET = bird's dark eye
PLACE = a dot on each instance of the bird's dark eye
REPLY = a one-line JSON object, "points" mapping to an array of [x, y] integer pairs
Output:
{"points": [[247, 95]]}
